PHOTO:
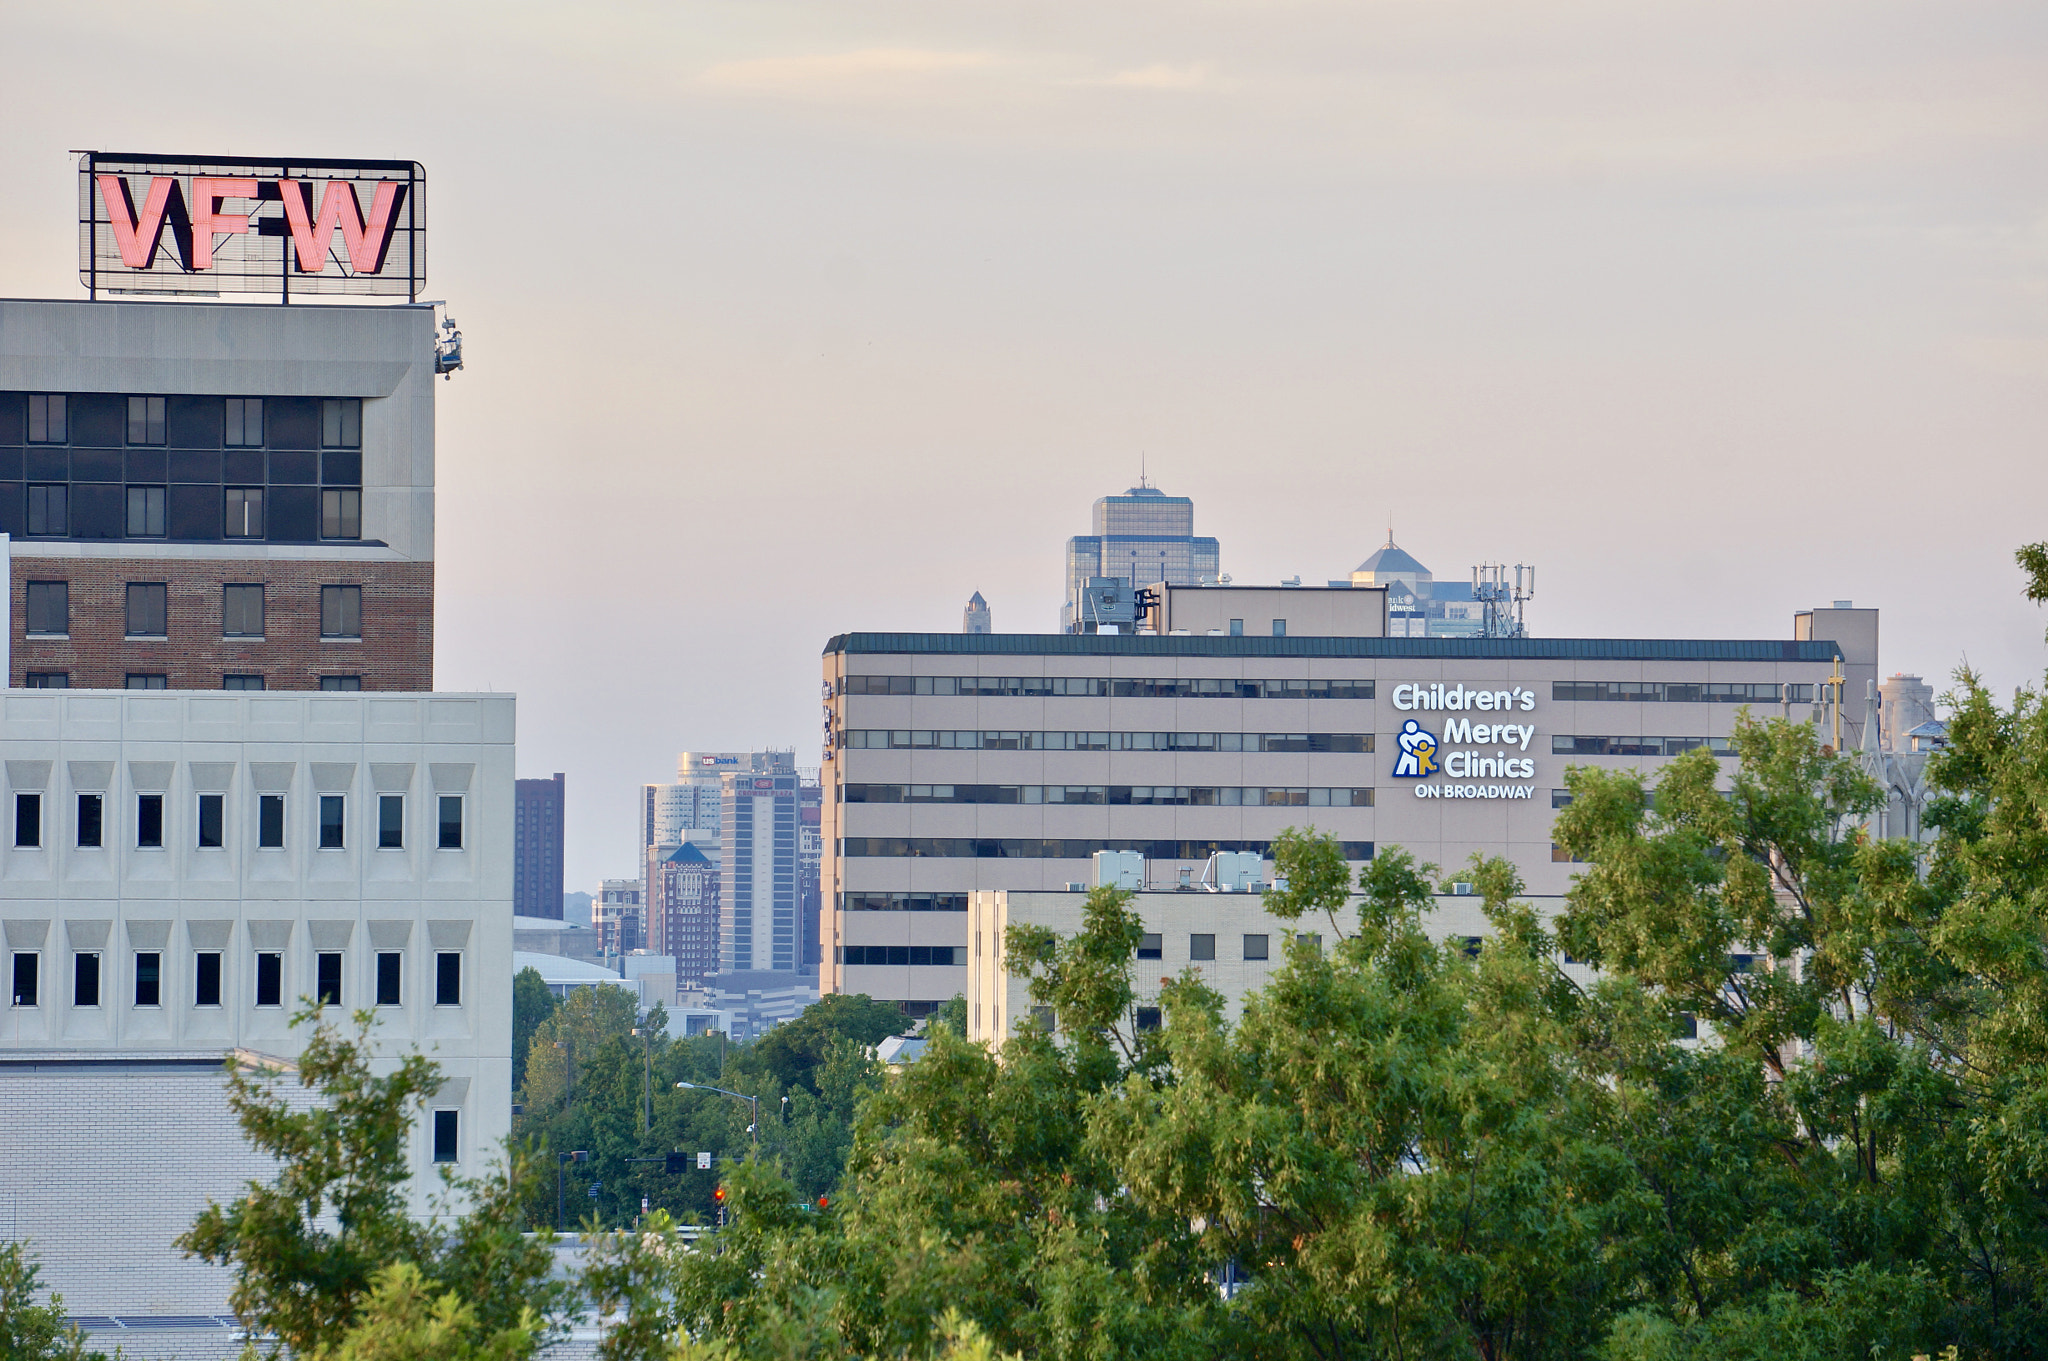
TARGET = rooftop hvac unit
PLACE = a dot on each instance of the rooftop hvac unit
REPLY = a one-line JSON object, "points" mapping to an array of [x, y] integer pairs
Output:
{"points": [[1234, 872], [1120, 869]]}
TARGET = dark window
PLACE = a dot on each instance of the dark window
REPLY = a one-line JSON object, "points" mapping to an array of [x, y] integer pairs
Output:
{"points": [[331, 806], [269, 978], [241, 611], [241, 682], [49, 609], [49, 680], [1237, 628], [46, 419], [341, 611], [91, 816], [270, 821], [28, 819], [149, 977], [390, 822], [447, 1124], [211, 816], [1279, 628], [451, 822], [245, 422], [47, 510], [448, 978], [1255, 947], [149, 819], [341, 682], [1043, 1020], [24, 987], [390, 969], [145, 420], [140, 680], [327, 978], [148, 609], [341, 423], [341, 513], [1148, 1018], [146, 512], [85, 980], [243, 518], [1201, 947], [1150, 947], [206, 979]]}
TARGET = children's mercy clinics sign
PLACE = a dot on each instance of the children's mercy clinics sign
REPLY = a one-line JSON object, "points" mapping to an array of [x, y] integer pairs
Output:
{"points": [[179, 225], [1492, 749]]}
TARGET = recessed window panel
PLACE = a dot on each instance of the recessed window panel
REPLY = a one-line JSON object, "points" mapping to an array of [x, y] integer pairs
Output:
{"points": [[245, 422], [148, 609], [243, 518], [145, 420], [149, 820], [341, 513], [327, 978], [451, 822], [49, 509], [149, 977], [46, 419], [332, 807], [91, 818], [269, 978], [147, 511], [212, 819], [270, 821], [390, 822], [341, 423], [206, 978]]}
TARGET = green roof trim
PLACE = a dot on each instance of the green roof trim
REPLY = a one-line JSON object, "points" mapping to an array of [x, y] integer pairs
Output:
{"points": [[1153, 645]]}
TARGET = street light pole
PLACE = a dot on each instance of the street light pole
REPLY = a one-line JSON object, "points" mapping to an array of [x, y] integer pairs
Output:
{"points": [[753, 1101], [581, 1155]]}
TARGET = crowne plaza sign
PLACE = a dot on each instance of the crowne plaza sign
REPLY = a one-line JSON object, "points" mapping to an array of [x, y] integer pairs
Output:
{"points": [[183, 225]]}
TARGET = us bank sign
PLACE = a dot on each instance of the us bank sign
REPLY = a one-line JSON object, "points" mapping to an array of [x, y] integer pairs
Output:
{"points": [[1464, 748], [212, 225]]}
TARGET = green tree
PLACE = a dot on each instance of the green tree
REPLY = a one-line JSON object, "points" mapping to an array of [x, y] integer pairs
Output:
{"points": [[405, 1320], [532, 1003], [307, 1248], [952, 1015], [31, 1331]]}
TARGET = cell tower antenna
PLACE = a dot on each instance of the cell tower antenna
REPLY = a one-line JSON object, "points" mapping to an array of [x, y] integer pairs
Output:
{"points": [[1142, 482]]}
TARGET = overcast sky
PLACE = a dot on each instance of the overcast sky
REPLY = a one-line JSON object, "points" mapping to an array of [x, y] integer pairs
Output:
{"points": [[784, 320]]}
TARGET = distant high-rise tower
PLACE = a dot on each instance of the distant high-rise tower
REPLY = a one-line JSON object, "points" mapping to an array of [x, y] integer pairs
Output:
{"points": [[760, 903], [537, 847], [975, 618], [1141, 537]]}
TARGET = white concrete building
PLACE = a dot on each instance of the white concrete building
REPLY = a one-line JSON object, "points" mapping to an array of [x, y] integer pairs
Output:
{"points": [[178, 870]]}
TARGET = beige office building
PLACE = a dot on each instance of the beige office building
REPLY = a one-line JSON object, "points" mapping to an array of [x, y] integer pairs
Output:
{"points": [[958, 763]]}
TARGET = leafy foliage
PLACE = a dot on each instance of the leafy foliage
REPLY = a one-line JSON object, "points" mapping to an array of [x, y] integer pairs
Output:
{"points": [[404, 1320], [31, 1331], [532, 1004]]}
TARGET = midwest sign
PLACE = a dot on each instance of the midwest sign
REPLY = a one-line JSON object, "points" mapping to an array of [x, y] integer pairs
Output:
{"points": [[180, 225]]}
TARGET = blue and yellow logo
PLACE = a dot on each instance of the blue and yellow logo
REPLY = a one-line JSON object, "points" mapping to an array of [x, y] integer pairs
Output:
{"points": [[1418, 752]]}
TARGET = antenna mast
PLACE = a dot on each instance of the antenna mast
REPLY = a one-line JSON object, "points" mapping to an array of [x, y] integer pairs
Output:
{"points": [[1503, 600]]}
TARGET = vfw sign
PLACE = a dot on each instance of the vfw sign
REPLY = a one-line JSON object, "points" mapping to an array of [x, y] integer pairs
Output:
{"points": [[156, 224]]}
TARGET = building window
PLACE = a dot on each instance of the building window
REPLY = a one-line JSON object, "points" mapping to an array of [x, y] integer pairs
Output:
{"points": [[447, 1124], [148, 609], [47, 513], [1279, 628], [211, 817], [1044, 1020], [244, 515], [206, 979], [448, 978], [1237, 628], [327, 978], [451, 822], [85, 980], [1255, 947], [91, 818], [269, 978], [341, 423], [1150, 946], [23, 989], [390, 971], [341, 612], [49, 609], [245, 422], [1202, 947], [391, 822], [145, 420], [1148, 1018], [341, 513], [241, 611], [149, 820], [241, 681], [331, 808], [350, 683], [270, 821], [28, 819], [145, 512], [48, 680], [149, 977], [148, 680], [46, 423]]}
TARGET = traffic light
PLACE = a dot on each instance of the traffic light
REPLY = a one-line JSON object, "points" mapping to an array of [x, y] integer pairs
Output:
{"points": [[719, 1195], [821, 1202], [676, 1163]]}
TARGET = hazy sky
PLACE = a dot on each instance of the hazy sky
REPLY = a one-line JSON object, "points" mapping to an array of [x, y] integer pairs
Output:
{"points": [[784, 320]]}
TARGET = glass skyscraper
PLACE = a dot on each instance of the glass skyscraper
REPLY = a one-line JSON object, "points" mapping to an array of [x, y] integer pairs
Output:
{"points": [[1141, 537]]}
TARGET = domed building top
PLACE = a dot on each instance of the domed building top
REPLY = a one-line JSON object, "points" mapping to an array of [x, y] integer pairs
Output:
{"points": [[1391, 564]]}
